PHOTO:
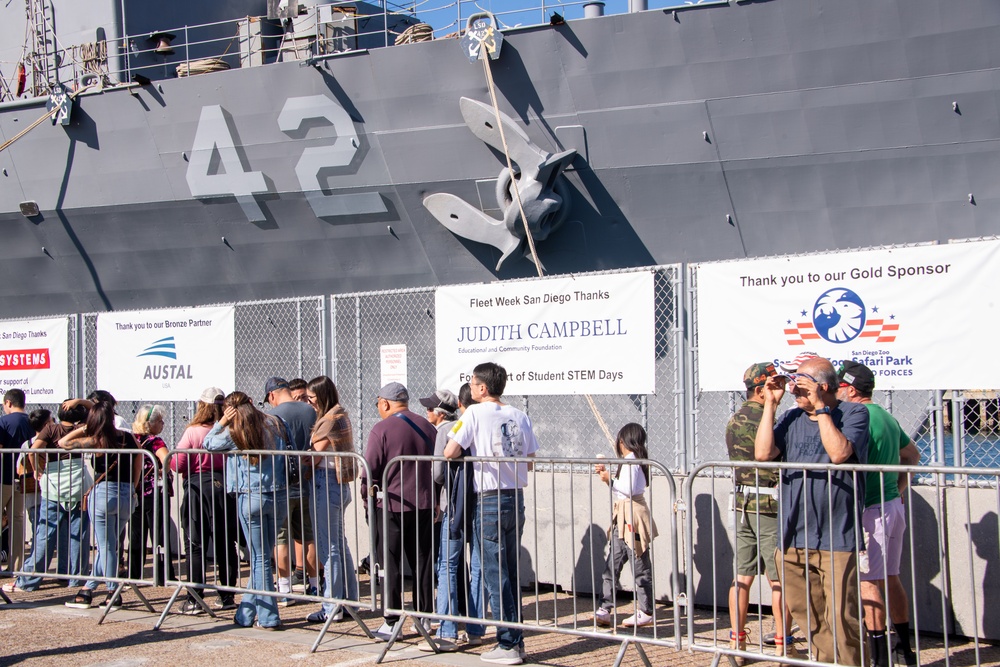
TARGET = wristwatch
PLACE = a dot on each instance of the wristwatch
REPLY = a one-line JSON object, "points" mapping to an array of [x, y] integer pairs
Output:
{"points": [[825, 410]]}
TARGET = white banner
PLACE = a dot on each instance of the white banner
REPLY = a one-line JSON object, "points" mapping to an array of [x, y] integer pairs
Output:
{"points": [[582, 335], [166, 355], [33, 358], [919, 318]]}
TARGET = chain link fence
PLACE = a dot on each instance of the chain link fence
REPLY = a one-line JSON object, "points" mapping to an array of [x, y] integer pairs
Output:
{"points": [[363, 322], [342, 336]]}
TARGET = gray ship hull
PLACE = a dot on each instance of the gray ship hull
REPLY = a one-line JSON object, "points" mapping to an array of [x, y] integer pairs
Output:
{"points": [[740, 130]]}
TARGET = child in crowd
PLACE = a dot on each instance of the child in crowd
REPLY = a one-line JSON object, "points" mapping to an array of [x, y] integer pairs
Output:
{"points": [[631, 530]]}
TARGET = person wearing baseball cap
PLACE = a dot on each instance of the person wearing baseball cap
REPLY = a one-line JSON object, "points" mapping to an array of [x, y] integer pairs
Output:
{"points": [[884, 518], [409, 493], [757, 516]]}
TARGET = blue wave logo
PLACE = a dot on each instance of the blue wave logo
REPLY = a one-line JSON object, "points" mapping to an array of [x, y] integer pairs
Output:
{"points": [[162, 348], [839, 315]]}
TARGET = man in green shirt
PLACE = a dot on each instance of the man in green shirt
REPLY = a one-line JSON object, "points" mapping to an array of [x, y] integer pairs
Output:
{"points": [[884, 518]]}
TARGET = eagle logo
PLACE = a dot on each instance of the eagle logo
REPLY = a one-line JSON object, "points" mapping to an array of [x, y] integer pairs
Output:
{"points": [[839, 315]]}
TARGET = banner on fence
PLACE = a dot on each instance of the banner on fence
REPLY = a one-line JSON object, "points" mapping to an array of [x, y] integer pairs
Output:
{"points": [[166, 355], [33, 358], [582, 335], [921, 317]]}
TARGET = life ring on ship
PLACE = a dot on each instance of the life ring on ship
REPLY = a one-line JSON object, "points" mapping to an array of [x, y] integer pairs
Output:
{"points": [[22, 79]]}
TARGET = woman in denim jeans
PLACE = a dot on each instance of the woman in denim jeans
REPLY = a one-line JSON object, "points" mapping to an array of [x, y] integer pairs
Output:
{"points": [[112, 499], [259, 482], [331, 496]]}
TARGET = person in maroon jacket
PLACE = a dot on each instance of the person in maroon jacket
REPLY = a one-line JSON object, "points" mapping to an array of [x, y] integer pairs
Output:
{"points": [[409, 491]]}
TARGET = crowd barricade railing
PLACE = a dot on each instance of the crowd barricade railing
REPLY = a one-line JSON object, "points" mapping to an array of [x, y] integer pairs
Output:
{"points": [[561, 521], [281, 498], [69, 503], [948, 544]]}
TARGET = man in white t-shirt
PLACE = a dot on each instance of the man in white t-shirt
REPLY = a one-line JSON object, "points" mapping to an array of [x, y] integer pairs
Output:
{"points": [[491, 428]]}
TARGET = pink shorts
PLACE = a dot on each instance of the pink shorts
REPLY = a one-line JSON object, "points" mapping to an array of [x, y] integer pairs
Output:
{"points": [[884, 527]]}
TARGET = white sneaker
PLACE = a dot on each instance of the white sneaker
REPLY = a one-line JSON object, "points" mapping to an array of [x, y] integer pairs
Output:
{"points": [[602, 617], [383, 633], [639, 619], [503, 656]]}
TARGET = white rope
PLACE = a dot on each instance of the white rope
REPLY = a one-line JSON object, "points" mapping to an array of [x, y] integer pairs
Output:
{"points": [[484, 56]]}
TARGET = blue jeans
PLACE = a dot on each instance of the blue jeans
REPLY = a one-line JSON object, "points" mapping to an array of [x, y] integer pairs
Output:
{"points": [[260, 515], [451, 564], [498, 526], [329, 500], [110, 506], [67, 528]]}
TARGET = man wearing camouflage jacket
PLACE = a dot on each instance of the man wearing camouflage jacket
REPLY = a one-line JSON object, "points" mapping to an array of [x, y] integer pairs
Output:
{"points": [[756, 497]]}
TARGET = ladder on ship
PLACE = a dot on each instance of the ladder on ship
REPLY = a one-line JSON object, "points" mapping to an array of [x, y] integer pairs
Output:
{"points": [[42, 62]]}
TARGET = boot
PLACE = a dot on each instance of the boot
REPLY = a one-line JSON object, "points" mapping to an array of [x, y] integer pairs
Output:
{"points": [[878, 643], [785, 646], [738, 642]]}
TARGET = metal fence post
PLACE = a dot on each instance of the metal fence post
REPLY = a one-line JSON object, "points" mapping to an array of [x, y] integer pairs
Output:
{"points": [[324, 347], [686, 357], [357, 348], [298, 338]]}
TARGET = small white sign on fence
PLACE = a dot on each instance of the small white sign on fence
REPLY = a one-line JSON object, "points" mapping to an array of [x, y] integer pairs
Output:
{"points": [[166, 355], [922, 317], [577, 335], [33, 358], [393, 364]]}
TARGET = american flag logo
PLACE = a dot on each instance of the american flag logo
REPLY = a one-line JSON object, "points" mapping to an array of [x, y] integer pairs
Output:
{"points": [[879, 329]]}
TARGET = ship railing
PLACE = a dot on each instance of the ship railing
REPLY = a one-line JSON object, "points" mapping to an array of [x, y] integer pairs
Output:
{"points": [[253, 41], [947, 551]]}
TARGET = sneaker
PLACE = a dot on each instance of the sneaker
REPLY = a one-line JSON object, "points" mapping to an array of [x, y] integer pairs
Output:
{"points": [[83, 599], [191, 608], [503, 656], [117, 604], [273, 628], [423, 621], [639, 619], [297, 581], [311, 590], [473, 640], [905, 657], [443, 645], [286, 602], [12, 587], [603, 617], [316, 617], [383, 633], [224, 603]]}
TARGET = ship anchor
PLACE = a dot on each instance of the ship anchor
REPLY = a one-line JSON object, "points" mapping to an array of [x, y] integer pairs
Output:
{"points": [[537, 177]]}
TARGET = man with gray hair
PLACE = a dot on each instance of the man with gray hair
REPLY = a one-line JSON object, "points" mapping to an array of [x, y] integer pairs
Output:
{"points": [[407, 495], [820, 510]]}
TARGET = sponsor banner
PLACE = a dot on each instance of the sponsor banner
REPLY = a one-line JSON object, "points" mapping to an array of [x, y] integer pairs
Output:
{"points": [[919, 318], [582, 335], [33, 358], [166, 355]]}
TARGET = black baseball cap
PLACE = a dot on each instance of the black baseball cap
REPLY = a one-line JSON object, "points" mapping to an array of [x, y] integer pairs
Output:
{"points": [[858, 376]]}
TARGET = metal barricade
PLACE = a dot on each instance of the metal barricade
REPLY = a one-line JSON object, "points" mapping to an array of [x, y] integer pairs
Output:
{"points": [[560, 521], [948, 550], [82, 498], [257, 517]]}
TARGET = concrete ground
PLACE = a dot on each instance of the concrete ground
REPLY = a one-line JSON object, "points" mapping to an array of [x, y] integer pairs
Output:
{"points": [[39, 630]]}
